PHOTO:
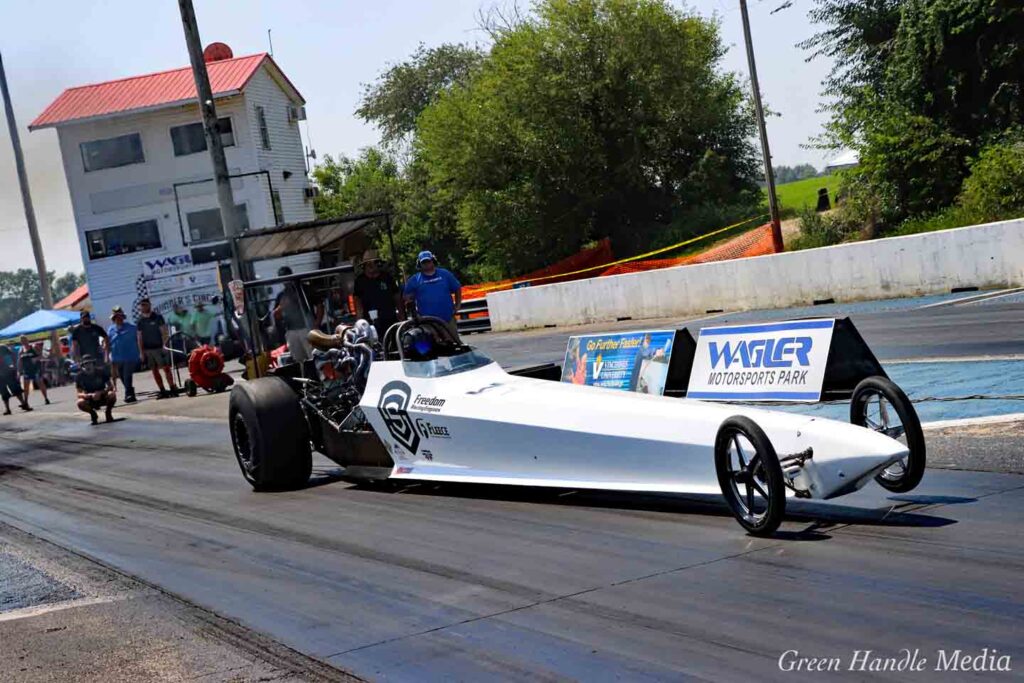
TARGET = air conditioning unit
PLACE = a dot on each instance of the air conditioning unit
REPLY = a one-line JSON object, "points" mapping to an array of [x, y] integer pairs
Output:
{"points": [[296, 114], [311, 191]]}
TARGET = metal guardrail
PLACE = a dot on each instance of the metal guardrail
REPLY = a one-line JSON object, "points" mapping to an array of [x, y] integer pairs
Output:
{"points": [[467, 324]]}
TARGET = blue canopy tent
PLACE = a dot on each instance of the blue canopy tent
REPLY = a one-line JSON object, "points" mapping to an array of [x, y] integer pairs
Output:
{"points": [[40, 321]]}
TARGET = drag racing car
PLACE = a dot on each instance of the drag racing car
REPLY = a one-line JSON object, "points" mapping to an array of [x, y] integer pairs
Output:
{"points": [[421, 405]]}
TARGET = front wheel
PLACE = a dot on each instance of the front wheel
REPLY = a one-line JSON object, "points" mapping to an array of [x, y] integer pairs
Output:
{"points": [[270, 435], [881, 406], [750, 476]]}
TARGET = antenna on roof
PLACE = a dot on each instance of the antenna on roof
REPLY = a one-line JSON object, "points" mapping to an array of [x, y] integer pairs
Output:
{"points": [[271, 42]]}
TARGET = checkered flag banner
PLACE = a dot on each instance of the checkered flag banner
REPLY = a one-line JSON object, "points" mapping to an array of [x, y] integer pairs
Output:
{"points": [[141, 292]]}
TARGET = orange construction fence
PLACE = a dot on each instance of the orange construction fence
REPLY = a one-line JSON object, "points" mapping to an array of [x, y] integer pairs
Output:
{"points": [[756, 242], [598, 261], [559, 271]]}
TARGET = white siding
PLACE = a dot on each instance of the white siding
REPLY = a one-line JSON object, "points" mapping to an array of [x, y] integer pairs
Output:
{"points": [[286, 152], [145, 191]]}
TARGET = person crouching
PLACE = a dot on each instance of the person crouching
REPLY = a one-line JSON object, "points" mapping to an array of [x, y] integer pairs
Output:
{"points": [[95, 389]]}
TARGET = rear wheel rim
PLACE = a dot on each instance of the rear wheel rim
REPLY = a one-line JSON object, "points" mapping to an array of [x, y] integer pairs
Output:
{"points": [[243, 445], [747, 479], [878, 414]]}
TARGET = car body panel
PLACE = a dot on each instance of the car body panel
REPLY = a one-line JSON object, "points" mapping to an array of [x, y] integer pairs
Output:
{"points": [[484, 425]]}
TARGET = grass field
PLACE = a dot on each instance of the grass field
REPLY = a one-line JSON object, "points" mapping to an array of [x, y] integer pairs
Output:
{"points": [[796, 195]]}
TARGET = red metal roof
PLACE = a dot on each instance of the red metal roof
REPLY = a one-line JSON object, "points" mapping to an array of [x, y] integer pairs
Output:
{"points": [[150, 91], [73, 299]]}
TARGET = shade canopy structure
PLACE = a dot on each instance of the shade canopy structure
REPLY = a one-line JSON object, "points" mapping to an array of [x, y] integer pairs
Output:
{"points": [[40, 321], [347, 236]]}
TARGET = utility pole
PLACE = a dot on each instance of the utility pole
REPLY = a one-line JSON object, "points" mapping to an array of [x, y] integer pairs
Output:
{"points": [[225, 196], [26, 200], [769, 175]]}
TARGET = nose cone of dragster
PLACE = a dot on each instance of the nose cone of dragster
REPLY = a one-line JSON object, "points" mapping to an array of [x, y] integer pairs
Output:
{"points": [[846, 457]]}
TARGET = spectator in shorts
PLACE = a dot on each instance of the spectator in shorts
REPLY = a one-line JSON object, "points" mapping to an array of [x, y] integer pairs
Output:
{"points": [[31, 366], [153, 336], [124, 351], [433, 289], [95, 389], [9, 380], [89, 339]]}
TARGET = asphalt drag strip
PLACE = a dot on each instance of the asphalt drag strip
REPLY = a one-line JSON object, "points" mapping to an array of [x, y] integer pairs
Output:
{"points": [[66, 617], [445, 582]]}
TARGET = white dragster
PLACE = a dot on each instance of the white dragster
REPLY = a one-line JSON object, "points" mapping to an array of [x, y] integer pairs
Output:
{"points": [[431, 408]]}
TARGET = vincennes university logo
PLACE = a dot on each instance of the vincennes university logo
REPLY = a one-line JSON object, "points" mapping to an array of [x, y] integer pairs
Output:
{"points": [[393, 406]]}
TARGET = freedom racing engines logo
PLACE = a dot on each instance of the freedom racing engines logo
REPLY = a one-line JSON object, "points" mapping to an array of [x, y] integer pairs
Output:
{"points": [[393, 406]]}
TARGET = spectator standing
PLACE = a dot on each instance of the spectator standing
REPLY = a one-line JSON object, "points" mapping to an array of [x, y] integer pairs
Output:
{"points": [[124, 351], [31, 367], [218, 327], [200, 322], [377, 297], [95, 389], [153, 335], [177, 319], [89, 339], [433, 290], [9, 380]]}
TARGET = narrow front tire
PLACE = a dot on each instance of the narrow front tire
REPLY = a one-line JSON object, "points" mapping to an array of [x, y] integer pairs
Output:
{"points": [[878, 404], [750, 476]]}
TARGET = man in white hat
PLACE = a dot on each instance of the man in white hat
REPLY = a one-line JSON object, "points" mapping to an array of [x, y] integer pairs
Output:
{"points": [[377, 297]]}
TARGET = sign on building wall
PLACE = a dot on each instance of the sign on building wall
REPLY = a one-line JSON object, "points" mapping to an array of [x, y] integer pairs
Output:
{"points": [[172, 280]]}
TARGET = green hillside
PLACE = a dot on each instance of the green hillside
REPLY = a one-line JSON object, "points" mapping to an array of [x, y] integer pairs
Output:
{"points": [[796, 195]]}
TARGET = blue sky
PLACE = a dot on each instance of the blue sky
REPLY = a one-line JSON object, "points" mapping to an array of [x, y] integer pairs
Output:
{"points": [[329, 48]]}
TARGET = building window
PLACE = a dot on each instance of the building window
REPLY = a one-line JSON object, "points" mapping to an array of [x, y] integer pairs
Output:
{"points": [[112, 152], [261, 121], [190, 138], [206, 226], [275, 200], [123, 239]]}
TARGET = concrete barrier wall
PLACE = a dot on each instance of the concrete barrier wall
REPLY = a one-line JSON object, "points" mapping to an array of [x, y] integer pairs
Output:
{"points": [[983, 256]]}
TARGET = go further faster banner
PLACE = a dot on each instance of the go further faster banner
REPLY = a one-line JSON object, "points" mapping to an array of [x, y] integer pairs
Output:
{"points": [[630, 361], [771, 362]]}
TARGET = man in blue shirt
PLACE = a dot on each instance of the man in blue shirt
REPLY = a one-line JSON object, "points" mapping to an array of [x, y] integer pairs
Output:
{"points": [[124, 351], [433, 289]]}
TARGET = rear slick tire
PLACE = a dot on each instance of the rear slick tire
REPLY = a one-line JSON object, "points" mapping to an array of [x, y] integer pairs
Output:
{"points": [[270, 435], [750, 476]]}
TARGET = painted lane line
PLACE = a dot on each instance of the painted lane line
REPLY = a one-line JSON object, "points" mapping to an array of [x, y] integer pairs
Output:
{"points": [[956, 359], [38, 610], [974, 421], [972, 299]]}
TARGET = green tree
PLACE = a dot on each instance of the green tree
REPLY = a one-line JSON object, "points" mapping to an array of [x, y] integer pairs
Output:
{"points": [[400, 94], [369, 182], [789, 174], [919, 87], [65, 284], [589, 118], [994, 190], [20, 293], [422, 217]]}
